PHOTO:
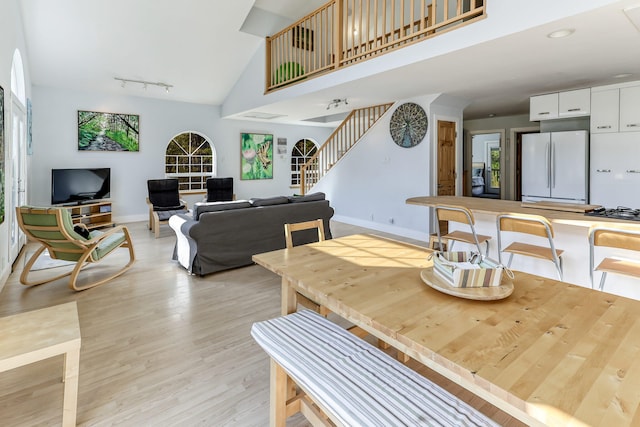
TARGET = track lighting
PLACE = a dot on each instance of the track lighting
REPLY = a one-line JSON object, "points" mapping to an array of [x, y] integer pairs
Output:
{"points": [[335, 103], [144, 83]]}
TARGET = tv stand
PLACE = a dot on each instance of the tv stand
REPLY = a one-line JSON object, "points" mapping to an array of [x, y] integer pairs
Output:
{"points": [[92, 215]]}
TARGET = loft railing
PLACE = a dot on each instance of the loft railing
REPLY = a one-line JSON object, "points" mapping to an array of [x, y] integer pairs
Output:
{"points": [[343, 32], [352, 128]]}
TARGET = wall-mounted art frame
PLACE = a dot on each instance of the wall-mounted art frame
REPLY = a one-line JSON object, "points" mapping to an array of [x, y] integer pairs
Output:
{"points": [[302, 38], [108, 131], [282, 145], [256, 156], [2, 166]]}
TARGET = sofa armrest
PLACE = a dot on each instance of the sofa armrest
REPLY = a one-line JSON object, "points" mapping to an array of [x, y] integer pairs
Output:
{"points": [[186, 248]]}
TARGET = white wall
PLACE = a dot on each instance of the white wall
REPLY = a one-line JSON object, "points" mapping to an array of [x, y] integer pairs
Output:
{"points": [[55, 144], [11, 38], [369, 186]]}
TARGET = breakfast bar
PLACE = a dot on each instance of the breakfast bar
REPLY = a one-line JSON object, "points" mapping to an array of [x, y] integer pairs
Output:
{"points": [[571, 235]]}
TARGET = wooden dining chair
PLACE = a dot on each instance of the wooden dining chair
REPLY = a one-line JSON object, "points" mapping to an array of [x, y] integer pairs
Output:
{"points": [[534, 225], [613, 237], [460, 214], [289, 229]]}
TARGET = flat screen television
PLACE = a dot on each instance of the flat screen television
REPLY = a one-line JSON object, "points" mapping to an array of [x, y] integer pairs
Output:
{"points": [[77, 186]]}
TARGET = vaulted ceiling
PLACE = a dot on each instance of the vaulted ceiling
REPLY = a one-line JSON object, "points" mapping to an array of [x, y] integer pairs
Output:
{"points": [[201, 48]]}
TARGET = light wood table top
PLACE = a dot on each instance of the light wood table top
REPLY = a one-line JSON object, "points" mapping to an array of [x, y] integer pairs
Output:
{"points": [[551, 353], [40, 334], [495, 206]]}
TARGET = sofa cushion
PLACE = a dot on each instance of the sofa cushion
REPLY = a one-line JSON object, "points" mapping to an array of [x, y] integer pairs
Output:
{"points": [[269, 201], [307, 198], [203, 207]]}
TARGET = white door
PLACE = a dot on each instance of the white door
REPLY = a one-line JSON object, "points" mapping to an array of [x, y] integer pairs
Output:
{"points": [[17, 156]]}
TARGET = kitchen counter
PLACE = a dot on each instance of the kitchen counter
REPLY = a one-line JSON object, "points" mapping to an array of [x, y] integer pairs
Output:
{"points": [[571, 235], [495, 206]]}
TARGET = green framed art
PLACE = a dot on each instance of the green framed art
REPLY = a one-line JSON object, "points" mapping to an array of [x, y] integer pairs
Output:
{"points": [[256, 156]]}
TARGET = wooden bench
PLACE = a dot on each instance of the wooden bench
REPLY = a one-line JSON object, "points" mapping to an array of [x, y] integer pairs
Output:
{"points": [[346, 381]]}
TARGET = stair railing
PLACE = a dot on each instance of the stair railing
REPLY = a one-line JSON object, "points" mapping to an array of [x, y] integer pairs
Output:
{"points": [[350, 131]]}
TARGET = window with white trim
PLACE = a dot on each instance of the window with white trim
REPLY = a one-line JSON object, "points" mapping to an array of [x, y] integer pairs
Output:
{"points": [[302, 151], [190, 157]]}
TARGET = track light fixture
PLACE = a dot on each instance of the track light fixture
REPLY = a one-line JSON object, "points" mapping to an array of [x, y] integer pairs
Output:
{"points": [[335, 103], [144, 83]]}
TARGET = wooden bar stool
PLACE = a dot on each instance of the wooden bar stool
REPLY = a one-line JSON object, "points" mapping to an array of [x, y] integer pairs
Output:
{"points": [[528, 224], [613, 237], [462, 215]]}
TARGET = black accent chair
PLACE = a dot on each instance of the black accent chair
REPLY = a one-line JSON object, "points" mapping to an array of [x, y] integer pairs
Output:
{"points": [[220, 190], [164, 201]]}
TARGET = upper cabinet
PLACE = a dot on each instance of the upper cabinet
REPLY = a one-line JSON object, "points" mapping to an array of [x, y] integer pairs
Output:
{"points": [[630, 109], [573, 103], [543, 107], [615, 108]]}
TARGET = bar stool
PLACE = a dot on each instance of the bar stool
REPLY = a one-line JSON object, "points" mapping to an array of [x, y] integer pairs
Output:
{"points": [[462, 215], [613, 237], [528, 224]]}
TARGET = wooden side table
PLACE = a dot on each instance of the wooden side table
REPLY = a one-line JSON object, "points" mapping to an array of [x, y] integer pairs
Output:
{"points": [[40, 334]]}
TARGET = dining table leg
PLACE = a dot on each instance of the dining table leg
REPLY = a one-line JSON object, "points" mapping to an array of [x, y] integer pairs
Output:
{"points": [[289, 299]]}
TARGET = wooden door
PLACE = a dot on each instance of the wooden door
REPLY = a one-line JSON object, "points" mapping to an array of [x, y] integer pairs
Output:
{"points": [[446, 158], [446, 163]]}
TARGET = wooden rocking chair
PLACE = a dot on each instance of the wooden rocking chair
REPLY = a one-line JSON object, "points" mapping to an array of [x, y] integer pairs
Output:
{"points": [[54, 229]]}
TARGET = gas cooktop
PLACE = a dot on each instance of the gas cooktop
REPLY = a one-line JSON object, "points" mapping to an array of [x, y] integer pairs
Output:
{"points": [[620, 212]]}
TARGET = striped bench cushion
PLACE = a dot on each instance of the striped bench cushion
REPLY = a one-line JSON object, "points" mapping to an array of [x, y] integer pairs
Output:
{"points": [[358, 383]]}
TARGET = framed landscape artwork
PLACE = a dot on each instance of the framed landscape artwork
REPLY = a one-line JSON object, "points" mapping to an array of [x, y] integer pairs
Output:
{"points": [[256, 156], [108, 131], [2, 169]]}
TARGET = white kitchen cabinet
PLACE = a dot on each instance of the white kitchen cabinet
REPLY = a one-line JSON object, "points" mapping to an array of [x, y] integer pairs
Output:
{"points": [[605, 111], [614, 170], [574, 103], [543, 107], [630, 109]]}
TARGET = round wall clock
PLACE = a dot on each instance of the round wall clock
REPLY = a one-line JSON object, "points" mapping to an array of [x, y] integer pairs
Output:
{"points": [[408, 125]]}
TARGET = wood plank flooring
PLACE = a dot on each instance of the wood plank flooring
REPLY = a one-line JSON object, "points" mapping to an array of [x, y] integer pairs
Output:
{"points": [[160, 347]]}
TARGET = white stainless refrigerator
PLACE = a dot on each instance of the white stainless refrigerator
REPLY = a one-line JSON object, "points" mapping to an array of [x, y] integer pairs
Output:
{"points": [[555, 167]]}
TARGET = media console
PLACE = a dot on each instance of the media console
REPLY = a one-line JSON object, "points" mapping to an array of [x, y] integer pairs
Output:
{"points": [[92, 215]]}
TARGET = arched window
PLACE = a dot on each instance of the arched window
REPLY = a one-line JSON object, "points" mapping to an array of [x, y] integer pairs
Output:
{"points": [[301, 153], [17, 78], [190, 158]]}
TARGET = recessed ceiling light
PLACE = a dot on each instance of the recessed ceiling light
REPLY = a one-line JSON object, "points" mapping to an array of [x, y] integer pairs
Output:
{"points": [[622, 75], [561, 33]]}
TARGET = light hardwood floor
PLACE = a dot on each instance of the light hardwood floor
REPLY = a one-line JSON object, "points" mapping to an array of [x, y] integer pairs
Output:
{"points": [[160, 347]]}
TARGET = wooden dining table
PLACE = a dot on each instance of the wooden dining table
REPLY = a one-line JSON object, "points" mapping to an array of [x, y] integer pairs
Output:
{"points": [[551, 353]]}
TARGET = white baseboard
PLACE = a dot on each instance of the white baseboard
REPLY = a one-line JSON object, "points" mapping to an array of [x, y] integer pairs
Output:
{"points": [[399, 231]]}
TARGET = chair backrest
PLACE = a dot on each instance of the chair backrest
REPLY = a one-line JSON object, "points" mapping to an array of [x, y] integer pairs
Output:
{"points": [[219, 189], [614, 237], [528, 224], [455, 213], [164, 193], [299, 226], [53, 227]]}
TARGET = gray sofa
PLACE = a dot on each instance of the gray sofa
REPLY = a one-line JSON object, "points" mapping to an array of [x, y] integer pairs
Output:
{"points": [[222, 235]]}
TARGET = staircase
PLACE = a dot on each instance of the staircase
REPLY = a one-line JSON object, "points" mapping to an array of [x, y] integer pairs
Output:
{"points": [[350, 131]]}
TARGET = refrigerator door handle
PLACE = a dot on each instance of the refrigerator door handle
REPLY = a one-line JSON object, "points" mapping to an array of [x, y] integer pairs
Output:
{"points": [[553, 166], [547, 157]]}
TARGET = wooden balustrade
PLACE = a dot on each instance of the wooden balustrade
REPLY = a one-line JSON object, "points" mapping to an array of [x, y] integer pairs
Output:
{"points": [[343, 32], [354, 126]]}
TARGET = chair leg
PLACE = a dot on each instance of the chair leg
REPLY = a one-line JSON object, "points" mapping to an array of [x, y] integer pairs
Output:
{"points": [[24, 279], [510, 259], [602, 279], [559, 268], [486, 253]]}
